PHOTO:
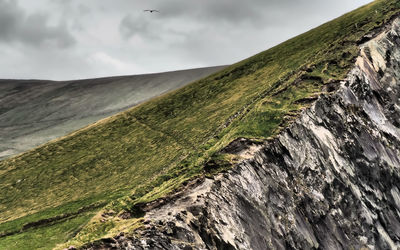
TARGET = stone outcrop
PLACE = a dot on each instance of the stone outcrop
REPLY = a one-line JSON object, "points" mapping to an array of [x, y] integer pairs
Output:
{"points": [[331, 180]]}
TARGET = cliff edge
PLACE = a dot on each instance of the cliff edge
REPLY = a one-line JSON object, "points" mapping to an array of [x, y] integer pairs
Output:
{"points": [[330, 180]]}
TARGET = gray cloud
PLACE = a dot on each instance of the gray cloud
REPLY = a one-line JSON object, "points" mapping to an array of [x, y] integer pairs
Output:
{"points": [[135, 25], [230, 11], [32, 29], [116, 37], [9, 19]]}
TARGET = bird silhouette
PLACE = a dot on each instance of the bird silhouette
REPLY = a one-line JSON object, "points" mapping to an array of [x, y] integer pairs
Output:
{"points": [[151, 11]]}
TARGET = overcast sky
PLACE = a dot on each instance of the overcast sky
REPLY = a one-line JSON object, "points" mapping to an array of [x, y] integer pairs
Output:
{"points": [[71, 39]]}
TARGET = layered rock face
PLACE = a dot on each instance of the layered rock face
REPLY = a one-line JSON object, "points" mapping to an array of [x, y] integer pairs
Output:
{"points": [[331, 180]]}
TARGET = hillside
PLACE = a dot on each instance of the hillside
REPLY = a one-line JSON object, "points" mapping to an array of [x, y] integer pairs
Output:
{"points": [[33, 112], [330, 180], [97, 181]]}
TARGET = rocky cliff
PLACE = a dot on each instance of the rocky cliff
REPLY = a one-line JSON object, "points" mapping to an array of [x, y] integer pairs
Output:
{"points": [[331, 180]]}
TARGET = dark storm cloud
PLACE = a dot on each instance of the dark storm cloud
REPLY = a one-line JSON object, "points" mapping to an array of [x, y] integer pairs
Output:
{"points": [[32, 29]]}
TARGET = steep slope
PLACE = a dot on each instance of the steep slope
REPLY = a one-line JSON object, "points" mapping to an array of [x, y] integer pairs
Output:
{"points": [[340, 191], [33, 112], [153, 149]]}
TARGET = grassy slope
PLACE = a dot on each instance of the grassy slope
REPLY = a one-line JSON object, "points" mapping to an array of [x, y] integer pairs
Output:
{"points": [[148, 151], [46, 237], [32, 112]]}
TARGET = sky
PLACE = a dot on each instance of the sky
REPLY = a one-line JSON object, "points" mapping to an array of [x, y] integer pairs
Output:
{"points": [[75, 39]]}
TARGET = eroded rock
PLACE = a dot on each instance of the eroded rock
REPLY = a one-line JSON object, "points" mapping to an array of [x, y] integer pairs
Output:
{"points": [[331, 180]]}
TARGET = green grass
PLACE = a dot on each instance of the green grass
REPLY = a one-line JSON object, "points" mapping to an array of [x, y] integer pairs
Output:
{"points": [[149, 151], [46, 237]]}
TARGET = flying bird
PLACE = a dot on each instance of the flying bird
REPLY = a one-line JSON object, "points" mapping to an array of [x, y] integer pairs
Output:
{"points": [[151, 11]]}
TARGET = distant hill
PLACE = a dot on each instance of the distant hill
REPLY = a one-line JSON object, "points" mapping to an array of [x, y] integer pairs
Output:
{"points": [[33, 112]]}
